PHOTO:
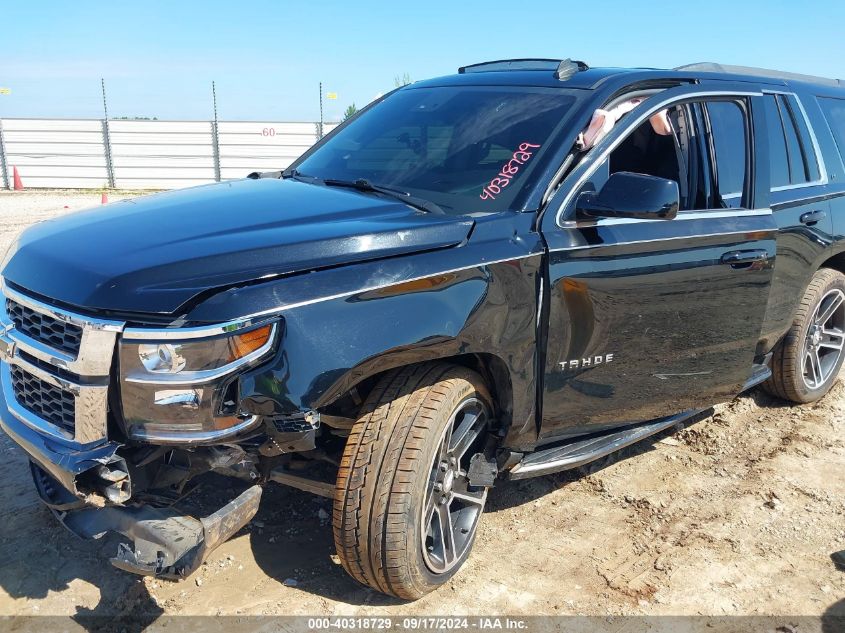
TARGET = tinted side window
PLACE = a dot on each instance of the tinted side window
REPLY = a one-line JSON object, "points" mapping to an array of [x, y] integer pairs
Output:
{"points": [[797, 172], [811, 163], [727, 122], [778, 158], [793, 158], [834, 112]]}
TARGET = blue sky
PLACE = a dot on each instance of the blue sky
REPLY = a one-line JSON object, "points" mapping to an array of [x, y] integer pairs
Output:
{"points": [[159, 58]]}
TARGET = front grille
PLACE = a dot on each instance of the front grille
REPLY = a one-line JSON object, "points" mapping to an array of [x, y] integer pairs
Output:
{"points": [[48, 402], [44, 328], [47, 346]]}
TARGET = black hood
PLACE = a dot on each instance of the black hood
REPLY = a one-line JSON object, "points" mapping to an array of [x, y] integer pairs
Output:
{"points": [[153, 254]]}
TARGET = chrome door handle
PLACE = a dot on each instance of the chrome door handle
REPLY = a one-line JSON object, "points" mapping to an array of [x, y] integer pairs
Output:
{"points": [[743, 259], [811, 217]]}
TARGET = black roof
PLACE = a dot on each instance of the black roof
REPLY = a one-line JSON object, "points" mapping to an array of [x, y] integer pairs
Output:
{"points": [[571, 74], [585, 79], [765, 73]]}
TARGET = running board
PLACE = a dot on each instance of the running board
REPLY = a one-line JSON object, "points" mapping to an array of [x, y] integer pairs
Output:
{"points": [[580, 452], [760, 373]]}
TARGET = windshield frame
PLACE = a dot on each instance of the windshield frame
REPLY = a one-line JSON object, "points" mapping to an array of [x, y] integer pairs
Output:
{"points": [[540, 172]]}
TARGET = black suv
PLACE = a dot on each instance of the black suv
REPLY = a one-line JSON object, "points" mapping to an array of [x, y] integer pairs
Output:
{"points": [[506, 272]]}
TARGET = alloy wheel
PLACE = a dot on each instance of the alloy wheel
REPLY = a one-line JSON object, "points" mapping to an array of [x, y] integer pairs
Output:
{"points": [[824, 340], [452, 506]]}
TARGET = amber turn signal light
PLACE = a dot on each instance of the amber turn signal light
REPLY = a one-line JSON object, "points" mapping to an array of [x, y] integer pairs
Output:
{"points": [[244, 344]]}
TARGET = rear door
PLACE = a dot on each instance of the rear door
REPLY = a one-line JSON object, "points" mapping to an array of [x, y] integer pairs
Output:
{"points": [[798, 198], [647, 318]]}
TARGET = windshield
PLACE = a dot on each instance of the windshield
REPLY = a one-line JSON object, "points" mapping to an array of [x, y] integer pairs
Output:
{"points": [[468, 149]]}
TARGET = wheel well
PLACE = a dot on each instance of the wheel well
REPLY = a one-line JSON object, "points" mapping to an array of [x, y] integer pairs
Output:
{"points": [[493, 370], [495, 373], [837, 262]]}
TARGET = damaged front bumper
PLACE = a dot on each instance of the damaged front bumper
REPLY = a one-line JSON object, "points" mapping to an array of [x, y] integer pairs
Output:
{"points": [[164, 541]]}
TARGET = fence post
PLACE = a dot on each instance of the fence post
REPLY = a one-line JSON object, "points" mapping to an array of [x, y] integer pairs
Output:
{"points": [[4, 168], [215, 142], [320, 128], [107, 150], [107, 137]]}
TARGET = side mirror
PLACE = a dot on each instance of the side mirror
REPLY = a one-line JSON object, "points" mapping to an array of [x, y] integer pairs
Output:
{"points": [[629, 195]]}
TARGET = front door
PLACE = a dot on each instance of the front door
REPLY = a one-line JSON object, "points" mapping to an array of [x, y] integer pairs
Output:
{"points": [[648, 318]]}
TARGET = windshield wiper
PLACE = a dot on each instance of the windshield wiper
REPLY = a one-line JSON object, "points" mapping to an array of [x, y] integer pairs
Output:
{"points": [[295, 174], [362, 184]]}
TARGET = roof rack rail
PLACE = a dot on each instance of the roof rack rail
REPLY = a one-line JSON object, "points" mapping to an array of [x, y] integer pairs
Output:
{"points": [[563, 68], [711, 67]]}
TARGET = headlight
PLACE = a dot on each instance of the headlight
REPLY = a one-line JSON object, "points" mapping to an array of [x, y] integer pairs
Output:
{"points": [[193, 361], [176, 391]]}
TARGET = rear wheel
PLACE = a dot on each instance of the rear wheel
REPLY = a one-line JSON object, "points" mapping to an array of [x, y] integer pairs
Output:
{"points": [[405, 513], [807, 361]]}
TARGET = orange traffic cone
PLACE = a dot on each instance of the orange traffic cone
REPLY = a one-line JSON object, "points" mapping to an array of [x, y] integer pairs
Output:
{"points": [[104, 199], [17, 178]]}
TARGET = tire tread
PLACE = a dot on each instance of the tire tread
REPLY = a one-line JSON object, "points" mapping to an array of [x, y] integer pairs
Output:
{"points": [[380, 467]]}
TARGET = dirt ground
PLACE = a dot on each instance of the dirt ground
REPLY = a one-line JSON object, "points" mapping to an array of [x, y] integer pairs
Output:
{"points": [[735, 514]]}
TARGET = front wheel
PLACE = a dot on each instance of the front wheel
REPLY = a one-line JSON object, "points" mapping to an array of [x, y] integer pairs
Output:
{"points": [[807, 361], [405, 513]]}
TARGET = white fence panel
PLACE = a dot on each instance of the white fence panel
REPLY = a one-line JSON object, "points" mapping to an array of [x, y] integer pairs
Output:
{"points": [[55, 148], [94, 137], [159, 127], [247, 146], [161, 154], [164, 161], [74, 153], [24, 160], [258, 127], [161, 150], [66, 153], [52, 125]]}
